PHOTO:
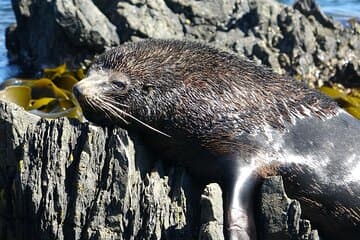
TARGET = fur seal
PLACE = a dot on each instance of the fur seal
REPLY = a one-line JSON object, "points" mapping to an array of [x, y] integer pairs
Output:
{"points": [[233, 122]]}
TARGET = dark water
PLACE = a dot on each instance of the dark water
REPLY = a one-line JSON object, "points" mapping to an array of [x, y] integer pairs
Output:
{"points": [[6, 18], [340, 9]]}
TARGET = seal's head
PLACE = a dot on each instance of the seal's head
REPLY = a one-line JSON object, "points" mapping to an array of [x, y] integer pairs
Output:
{"points": [[104, 92], [131, 83]]}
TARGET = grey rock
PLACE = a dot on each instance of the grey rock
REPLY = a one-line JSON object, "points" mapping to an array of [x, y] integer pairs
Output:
{"points": [[85, 25], [61, 179], [306, 232], [51, 32], [211, 204], [151, 19], [211, 231], [300, 40], [348, 74], [210, 12], [310, 8], [314, 235], [11, 43], [211, 220], [261, 51], [279, 215]]}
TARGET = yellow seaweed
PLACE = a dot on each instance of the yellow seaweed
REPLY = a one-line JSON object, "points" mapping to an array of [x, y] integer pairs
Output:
{"points": [[349, 99], [49, 96], [39, 103], [355, 111], [20, 95], [332, 91], [66, 81], [353, 101], [52, 73]]}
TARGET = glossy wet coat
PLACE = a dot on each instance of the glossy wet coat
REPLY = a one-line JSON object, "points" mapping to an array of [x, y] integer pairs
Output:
{"points": [[230, 121]]}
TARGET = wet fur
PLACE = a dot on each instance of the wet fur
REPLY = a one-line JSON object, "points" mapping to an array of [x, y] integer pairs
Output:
{"points": [[241, 120]]}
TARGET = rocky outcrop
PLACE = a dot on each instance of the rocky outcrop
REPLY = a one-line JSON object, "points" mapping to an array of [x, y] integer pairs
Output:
{"points": [[280, 216], [299, 40], [62, 179], [51, 32], [211, 219]]}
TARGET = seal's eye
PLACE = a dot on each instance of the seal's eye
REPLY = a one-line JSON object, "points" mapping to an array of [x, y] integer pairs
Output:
{"points": [[119, 85], [119, 82]]}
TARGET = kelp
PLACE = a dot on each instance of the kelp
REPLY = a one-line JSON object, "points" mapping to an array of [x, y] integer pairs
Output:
{"points": [[347, 98], [49, 96]]}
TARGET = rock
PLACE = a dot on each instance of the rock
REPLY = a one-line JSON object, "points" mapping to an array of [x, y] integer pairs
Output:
{"points": [[279, 215], [261, 51], [74, 31], [211, 219], [300, 40], [348, 74], [85, 25], [310, 8], [211, 12], [211, 231], [11, 43], [152, 20], [62, 179]]}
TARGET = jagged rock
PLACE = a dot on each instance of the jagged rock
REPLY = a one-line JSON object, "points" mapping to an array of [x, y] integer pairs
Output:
{"points": [[310, 8], [51, 32], [142, 19], [348, 74], [85, 25], [62, 179], [315, 45], [279, 215], [211, 220]]}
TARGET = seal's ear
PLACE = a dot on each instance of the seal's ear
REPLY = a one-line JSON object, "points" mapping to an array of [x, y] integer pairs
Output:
{"points": [[148, 88]]}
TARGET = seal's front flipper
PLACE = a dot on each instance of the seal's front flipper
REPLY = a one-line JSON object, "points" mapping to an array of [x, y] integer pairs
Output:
{"points": [[239, 209]]}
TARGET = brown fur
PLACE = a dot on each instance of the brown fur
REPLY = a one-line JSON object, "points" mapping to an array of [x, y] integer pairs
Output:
{"points": [[211, 95]]}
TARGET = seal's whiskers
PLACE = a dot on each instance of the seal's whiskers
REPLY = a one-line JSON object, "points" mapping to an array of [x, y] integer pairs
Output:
{"points": [[97, 101], [146, 125], [90, 103], [112, 107], [111, 100]]}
